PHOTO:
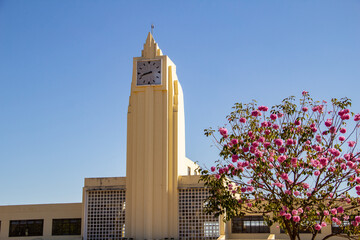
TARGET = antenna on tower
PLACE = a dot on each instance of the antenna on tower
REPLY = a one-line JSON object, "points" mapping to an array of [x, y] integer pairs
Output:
{"points": [[152, 29]]}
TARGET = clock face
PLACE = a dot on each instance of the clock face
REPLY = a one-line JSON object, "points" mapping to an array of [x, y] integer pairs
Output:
{"points": [[148, 72]]}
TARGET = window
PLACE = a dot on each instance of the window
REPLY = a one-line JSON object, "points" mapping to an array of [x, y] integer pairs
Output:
{"points": [[105, 214], [337, 229], [194, 223], [66, 226], [20, 228], [211, 229], [301, 231], [308, 230], [249, 224]]}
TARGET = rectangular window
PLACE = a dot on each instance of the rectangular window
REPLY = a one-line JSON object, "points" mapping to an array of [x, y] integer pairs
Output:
{"points": [[301, 231], [337, 229], [249, 224], [66, 226], [23, 228]]}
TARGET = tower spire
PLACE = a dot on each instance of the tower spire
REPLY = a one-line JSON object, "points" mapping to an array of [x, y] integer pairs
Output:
{"points": [[151, 49]]}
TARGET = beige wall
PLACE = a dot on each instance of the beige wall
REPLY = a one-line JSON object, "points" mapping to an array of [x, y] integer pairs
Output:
{"points": [[48, 212]]}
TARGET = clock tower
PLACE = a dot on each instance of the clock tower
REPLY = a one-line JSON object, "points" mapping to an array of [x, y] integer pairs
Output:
{"points": [[155, 146]]}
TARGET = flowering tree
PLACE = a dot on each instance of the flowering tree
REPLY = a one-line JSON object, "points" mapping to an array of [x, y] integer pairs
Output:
{"points": [[296, 165]]}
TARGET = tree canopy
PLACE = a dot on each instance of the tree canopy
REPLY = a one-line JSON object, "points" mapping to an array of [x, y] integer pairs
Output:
{"points": [[295, 164]]}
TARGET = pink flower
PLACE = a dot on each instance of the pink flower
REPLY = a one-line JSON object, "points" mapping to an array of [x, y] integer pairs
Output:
{"points": [[351, 143], [284, 176], [323, 224], [289, 141], [340, 209], [217, 176], [316, 173], [335, 220], [305, 109], [280, 114], [278, 142], [261, 139], [342, 138], [296, 193], [345, 117], [275, 126], [234, 141], [323, 161], [242, 120], [326, 213], [223, 132], [300, 210], [342, 130], [357, 117], [273, 117], [255, 144], [282, 150], [263, 108], [317, 227], [304, 93], [281, 158], [235, 157], [296, 219], [297, 122], [305, 185], [250, 189], [333, 211], [256, 113], [213, 169], [249, 205], [357, 218], [294, 212], [328, 122], [288, 216]]}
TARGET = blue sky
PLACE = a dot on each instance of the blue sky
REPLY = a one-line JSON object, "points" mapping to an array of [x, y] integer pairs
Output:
{"points": [[65, 73]]}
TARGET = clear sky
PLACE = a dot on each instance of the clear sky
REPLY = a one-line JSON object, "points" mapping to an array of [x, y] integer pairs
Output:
{"points": [[66, 65]]}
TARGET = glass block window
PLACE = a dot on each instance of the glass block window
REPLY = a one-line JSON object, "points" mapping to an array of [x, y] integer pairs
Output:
{"points": [[249, 224], [24, 228], [66, 226], [194, 223], [105, 214]]}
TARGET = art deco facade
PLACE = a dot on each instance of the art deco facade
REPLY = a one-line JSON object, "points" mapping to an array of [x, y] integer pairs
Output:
{"points": [[160, 197]]}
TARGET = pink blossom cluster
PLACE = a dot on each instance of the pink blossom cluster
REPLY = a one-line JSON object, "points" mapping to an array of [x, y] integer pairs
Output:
{"points": [[284, 155]]}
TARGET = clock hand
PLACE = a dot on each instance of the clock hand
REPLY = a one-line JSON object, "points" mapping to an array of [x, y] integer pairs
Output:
{"points": [[147, 73]]}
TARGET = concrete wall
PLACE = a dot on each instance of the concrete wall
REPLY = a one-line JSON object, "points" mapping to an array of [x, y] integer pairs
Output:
{"points": [[47, 212]]}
